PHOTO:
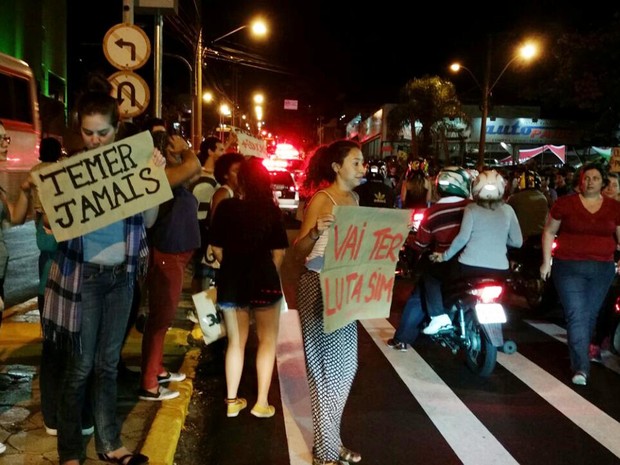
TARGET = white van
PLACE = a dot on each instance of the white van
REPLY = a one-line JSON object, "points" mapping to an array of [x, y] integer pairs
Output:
{"points": [[19, 112]]}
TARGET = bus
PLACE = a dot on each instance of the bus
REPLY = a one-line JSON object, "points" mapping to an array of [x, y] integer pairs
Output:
{"points": [[19, 113]]}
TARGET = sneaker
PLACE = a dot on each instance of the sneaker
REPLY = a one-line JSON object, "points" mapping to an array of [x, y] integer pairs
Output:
{"points": [[162, 394], [234, 406], [263, 412], [396, 345], [171, 377], [437, 324], [594, 353], [87, 431], [580, 379], [2, 448], [54, 432], [51, 431]]}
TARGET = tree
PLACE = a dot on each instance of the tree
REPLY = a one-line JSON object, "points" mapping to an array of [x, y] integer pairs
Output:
{"points": [[583, 75], [429, 100]]}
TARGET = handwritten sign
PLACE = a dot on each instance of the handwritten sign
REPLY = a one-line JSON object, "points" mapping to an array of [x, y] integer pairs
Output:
{"points": [[249, 145], [96, 188], [357, 278]]}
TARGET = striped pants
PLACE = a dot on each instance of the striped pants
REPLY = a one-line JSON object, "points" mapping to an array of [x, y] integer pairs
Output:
{"points": [[331, 363]]}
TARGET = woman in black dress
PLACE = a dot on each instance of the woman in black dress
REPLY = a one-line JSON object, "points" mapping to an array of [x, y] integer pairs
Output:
{"points": [[249, 240]]}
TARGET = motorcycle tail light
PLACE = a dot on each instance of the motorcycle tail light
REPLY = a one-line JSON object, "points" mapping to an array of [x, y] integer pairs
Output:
{"points": [[617, 306], [417, 219], [488, 294]]}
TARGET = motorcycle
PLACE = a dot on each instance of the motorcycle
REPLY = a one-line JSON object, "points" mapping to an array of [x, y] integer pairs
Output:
{"points": [[477, 316], [524, 278], [408, 255]]}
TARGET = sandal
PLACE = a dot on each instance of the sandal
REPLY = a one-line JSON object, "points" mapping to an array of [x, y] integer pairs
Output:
{"points": [[348, 455], [134, 459]]}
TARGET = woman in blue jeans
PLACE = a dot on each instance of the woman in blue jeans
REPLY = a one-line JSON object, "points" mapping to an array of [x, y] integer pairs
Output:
{"points": [[87, 303], [587, 225]]}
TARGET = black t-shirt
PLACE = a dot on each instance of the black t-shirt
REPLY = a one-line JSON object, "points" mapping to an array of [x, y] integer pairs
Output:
{"points": [[375, 194], [247, 233]]}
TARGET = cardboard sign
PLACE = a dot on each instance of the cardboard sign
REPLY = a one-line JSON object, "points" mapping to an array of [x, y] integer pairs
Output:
{"points": [[249, 145], [93, 189], [358, 275]]}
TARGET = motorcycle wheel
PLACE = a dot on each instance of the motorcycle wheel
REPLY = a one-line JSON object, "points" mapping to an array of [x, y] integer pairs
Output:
{"points": [[481, 355], [534, 290]]}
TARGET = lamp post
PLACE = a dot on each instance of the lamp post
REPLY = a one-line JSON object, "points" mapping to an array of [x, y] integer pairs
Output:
{"points": [[259, 29], [525, 52]]}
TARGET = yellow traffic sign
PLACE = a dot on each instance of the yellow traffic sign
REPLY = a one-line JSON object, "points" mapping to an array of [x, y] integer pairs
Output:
{"points": [[126, 46], [131, 91]]}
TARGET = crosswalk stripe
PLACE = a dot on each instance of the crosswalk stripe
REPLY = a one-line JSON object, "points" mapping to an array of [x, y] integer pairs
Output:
{"points": [[472, 442], [588, 417], [557, 332], [294, 389]]}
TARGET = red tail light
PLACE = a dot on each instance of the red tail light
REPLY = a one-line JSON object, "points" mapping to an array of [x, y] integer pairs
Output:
{"points": [[488, 294], [416, 218]]}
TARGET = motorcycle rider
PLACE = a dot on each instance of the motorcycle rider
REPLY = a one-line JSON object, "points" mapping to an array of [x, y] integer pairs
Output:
{"points": [[440, 225], [374, 192], [489, 226]]}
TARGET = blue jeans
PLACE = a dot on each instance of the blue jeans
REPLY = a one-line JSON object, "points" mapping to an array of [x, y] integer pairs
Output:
{"points": [[582, 286], [413, 315], [106, 302]]}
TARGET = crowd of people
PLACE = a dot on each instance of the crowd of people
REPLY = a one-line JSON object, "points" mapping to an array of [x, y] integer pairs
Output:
{"points": [[92, 286], [224, 225]]}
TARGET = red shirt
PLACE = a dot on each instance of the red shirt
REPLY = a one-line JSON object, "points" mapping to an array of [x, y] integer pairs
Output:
{"points": [[584, 235], [440, 225]]}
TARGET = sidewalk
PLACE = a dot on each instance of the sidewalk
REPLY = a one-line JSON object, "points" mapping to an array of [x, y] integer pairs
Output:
{"points": [[152, 428]]}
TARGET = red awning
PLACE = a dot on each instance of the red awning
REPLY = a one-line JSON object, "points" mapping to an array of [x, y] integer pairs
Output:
{"points": [[558, 150]]}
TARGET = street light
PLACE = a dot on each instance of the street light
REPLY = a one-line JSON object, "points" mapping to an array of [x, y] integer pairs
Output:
{"points": [[224, 111], [258, 28], [525, 52]]}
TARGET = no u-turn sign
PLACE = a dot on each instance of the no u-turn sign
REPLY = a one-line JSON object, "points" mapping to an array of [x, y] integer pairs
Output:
{"points": [[131, 91]]}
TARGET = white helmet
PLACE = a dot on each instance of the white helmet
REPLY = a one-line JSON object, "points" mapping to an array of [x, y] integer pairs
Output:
{"points": [[489, 185]]}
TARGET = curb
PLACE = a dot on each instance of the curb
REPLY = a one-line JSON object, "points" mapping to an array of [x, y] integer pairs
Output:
{"points": [[163, 437]]}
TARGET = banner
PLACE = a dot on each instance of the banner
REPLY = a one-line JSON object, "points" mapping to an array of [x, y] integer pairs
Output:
{"points": [[358, 275], [93, 189]]}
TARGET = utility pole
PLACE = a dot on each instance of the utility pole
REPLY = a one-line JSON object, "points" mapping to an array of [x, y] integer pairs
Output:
{"points": [[485, 105], [158, 59], [197, 127]]}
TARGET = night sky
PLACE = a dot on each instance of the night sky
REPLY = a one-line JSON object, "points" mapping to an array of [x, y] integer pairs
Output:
{"points": [[332, 53]]}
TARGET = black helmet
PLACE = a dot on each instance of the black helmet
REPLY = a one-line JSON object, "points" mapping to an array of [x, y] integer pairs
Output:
{"points": [[375, 171]]}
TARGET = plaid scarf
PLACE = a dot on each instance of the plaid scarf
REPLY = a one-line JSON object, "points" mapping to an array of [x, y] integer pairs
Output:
{"points": [[62, 308]]}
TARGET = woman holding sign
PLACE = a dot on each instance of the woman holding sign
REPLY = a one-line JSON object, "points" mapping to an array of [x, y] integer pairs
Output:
{"points": [[332, 173], [87, 303]]}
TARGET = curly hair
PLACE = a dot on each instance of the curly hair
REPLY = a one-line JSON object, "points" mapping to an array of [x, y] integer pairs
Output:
{"points": [[223, 164], [318, 171]]}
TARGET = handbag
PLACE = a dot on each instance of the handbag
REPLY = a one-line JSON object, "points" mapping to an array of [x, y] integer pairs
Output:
{"points": [[210, 318]]}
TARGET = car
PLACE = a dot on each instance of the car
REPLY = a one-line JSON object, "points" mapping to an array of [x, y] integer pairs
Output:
{"points": [[285, 190]]}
